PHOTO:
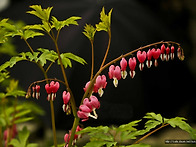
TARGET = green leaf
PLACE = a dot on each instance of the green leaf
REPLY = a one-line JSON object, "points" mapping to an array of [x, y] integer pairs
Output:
{"points": [[130, 126], [180, 122], [74, 57], [16, 93], [89, 32], [22, 113], [30, 34], [66, 62], [93, 130], [22, 120], [154, 116], [105, 23], [47, 55], [100, 144], [43, 14], [60, 24]]}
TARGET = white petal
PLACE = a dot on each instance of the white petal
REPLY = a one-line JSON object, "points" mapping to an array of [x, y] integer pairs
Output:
{"points": [[115, 82], [100, 92], [132, 74], [124, 74]]}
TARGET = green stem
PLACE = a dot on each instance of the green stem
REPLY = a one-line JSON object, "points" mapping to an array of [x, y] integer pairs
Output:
{"points": [[107, 50], [53, 122], [73, 130], [92, 64], [144, 137], [72, 100], [51, 102]]}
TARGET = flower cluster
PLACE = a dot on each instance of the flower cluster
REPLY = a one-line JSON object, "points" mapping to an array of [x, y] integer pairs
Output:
{"points": [[51, 90], [67, 137], [89, 105], [165, 53], [66, 106], [118, 72]]}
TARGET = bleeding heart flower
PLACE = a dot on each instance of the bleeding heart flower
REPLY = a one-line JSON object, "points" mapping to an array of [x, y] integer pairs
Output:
{"points": [[149, 56], [37, 88], [87, 107], [156, 53], [123, 65], [115, 74], [162, 52], [100, 84], [172, 52], [52, 90], [66, 106], [141, 56], [132, 64], [167, 53]]}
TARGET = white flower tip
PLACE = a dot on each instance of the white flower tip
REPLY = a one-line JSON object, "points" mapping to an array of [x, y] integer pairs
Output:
{"points": [[115, 82], [124, 74], [132, 74], [100, 92]]}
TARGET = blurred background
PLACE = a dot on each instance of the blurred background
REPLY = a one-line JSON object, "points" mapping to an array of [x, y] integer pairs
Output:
{"points": [[167, 89]]}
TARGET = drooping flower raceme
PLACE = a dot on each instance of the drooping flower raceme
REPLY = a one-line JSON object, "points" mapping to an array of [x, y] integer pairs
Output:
{"points": [[87, 107], [141, 56], [132, 64], [115, 74], [123, 65], [52, 90]]}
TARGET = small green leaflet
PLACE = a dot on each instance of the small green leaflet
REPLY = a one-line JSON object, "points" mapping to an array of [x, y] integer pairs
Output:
{"points": [[58, 25], [105, 23], [43, 14], [67, 62], [89, 32]]}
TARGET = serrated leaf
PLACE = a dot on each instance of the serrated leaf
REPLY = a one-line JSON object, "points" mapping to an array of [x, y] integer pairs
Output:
{"points": [[89, 32], [60, 24], [74, 57], [180, 122], [47, 55], [43, 14], [105, 23], [31, 34], [130, 126], [152, 115], [89, 129]]}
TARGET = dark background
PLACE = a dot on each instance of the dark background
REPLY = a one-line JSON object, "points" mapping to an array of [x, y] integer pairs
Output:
{"points": [[167, 89]]}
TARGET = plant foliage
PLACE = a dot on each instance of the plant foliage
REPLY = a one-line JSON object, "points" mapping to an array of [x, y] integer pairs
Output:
{"points": [[103, 135]]}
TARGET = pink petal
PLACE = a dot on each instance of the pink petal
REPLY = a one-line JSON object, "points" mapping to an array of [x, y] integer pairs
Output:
{"points": [[123, 64]]}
